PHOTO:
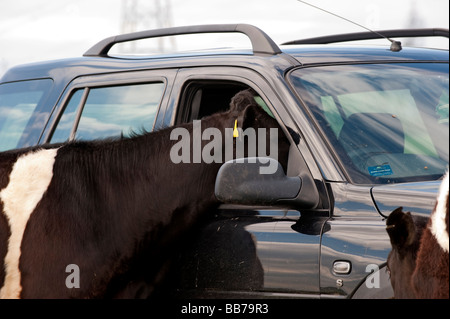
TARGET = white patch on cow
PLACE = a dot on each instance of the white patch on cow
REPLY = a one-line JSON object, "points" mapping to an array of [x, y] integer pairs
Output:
{"points": [[29, 179], [438, 226]]}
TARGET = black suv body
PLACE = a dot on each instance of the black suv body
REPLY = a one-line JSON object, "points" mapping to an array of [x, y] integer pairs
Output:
{"points": [[335, 246]]}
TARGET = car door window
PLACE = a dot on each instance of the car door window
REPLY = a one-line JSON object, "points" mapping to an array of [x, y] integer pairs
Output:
{"points": [[65, 125], [110, 111]]}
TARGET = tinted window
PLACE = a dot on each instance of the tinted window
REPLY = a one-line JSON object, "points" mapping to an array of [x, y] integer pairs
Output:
{"points": [[111, 111], [387, 123], [18, 103]]}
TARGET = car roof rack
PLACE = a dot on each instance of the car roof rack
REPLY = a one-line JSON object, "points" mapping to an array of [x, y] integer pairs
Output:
{"points": [[262, 44], [402, 33]]}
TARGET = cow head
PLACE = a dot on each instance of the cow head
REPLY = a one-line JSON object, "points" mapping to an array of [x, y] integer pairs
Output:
{"points": [[247, 113], [405, 231]]}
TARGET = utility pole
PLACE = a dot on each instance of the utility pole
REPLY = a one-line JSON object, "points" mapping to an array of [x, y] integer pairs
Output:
{"points": [[139, 15], [415, 21]]}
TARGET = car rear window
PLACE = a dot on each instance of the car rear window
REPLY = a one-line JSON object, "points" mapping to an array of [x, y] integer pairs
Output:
{"points": [[386, 122], [19, 102]]}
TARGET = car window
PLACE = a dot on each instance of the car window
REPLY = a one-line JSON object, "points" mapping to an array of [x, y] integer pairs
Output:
{"points": [[387, 122], [201, 98], [67, 120], [18, 103], [110, 111]]}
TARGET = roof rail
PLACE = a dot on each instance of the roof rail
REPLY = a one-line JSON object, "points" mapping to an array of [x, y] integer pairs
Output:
{"points": [[402, 33], [261, 42]]}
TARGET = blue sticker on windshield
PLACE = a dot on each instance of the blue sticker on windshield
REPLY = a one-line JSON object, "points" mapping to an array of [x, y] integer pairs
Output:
{"points": [[380, 170]]}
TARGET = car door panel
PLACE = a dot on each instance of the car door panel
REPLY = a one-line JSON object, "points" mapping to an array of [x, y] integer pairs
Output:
{"points": [[259, 252]]}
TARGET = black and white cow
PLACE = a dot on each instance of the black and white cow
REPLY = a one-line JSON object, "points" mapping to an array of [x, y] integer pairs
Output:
{"points": [[419, 260], [116, 209], [431, 275]]}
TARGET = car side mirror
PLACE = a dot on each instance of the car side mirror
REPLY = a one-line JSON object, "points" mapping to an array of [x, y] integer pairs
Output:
{"points": [[260, 181]]}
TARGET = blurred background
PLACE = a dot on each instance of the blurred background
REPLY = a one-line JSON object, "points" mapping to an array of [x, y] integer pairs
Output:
{"points": [[38, 30]]}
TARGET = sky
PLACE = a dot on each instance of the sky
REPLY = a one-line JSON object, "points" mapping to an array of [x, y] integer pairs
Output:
{"points": [[38, 30]]}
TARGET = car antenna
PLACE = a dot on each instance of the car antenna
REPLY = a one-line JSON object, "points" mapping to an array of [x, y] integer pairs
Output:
{"points": [[396, 46]]}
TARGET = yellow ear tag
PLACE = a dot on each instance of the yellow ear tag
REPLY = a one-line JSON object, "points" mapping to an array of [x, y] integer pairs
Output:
{"points": [[235, 131]]}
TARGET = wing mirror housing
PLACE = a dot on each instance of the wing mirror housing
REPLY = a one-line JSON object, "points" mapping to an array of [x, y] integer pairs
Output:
{"points": [[262, 181]]}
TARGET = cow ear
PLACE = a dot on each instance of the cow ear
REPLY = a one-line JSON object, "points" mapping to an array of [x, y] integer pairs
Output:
{"points": [[400, 228], [249, 117]]}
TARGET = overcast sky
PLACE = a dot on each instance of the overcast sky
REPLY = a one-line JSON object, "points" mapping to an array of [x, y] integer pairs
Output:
{"points": [[36, 30]]}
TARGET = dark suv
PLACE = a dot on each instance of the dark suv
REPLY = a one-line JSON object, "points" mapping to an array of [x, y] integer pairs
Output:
{"points": [[369, 128]]}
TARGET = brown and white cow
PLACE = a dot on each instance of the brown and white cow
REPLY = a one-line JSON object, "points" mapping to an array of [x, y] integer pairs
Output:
{"points": [[419, 260], [116, 209]]}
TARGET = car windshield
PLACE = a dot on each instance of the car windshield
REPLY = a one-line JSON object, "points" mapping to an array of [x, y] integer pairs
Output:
{"points": [[387, 123]]}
